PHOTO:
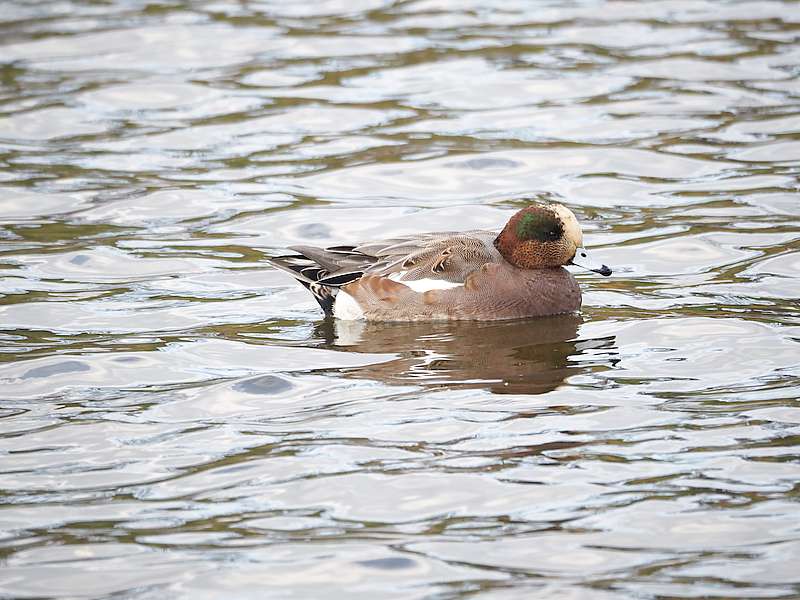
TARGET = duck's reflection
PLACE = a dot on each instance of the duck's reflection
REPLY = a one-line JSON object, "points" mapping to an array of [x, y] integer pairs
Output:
{"points": [[522, 357]]}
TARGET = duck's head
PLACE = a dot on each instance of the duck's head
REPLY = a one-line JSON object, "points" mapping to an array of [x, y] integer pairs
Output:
{"points": [[545, 235]]}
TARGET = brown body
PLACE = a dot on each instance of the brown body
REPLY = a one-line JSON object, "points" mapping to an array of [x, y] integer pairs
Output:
{"points": [[493, 292]]}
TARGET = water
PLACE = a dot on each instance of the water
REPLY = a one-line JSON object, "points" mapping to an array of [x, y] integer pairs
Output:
{"points": [[178, 422]]}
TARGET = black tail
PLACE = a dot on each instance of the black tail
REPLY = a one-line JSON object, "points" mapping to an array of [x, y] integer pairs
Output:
{"points": [[316, 278]]}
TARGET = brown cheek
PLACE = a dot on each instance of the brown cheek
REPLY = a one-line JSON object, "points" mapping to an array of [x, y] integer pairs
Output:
{"points": [[560, 253], [534, 255], [530, 255]]}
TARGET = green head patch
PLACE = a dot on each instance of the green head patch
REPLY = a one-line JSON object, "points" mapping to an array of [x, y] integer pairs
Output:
{"points": [[540, 225]]}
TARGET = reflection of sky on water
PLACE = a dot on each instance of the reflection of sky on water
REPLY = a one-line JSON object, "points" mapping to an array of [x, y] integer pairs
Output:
{"points": [[174, 414]]}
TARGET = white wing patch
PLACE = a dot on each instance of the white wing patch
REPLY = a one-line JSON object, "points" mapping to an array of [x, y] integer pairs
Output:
{"points": [[423, 285]]}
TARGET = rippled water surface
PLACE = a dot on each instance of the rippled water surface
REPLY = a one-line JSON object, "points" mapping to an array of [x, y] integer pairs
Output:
{"points": [[176, 419]]}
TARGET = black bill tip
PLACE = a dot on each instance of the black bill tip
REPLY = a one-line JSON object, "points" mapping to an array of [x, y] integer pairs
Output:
{"points": [[603, 270]]}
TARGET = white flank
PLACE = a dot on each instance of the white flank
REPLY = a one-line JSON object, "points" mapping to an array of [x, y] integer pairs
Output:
{"points": [[345, 307]]}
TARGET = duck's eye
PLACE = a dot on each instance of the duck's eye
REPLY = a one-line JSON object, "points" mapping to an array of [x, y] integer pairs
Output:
{"points": [[553, 235]]}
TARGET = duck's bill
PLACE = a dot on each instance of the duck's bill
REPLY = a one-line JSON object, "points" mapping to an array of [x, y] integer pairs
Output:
{"points": [[582, 259]]}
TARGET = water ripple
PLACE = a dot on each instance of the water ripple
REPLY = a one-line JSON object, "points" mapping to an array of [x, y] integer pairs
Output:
{"points": [[176, 416]]}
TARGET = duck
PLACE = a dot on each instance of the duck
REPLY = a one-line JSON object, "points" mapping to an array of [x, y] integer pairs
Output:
{"points": [[472, 275]]}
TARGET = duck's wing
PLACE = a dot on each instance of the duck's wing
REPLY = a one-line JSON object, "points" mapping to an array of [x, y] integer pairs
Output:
{"points": [[439, 256]]}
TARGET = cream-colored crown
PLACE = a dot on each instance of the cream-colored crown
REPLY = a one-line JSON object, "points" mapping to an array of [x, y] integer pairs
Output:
{"points": [[572, 230]]}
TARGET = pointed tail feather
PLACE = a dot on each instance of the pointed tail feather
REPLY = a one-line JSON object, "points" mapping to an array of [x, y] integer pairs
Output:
{"points": [[316, 277], [298, 266]]}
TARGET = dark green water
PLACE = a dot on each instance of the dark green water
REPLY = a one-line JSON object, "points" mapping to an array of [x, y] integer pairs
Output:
{"points": [[176, 420]]}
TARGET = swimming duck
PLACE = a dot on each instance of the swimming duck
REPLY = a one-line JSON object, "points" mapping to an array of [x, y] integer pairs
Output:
{"points": [[472, 275]]}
